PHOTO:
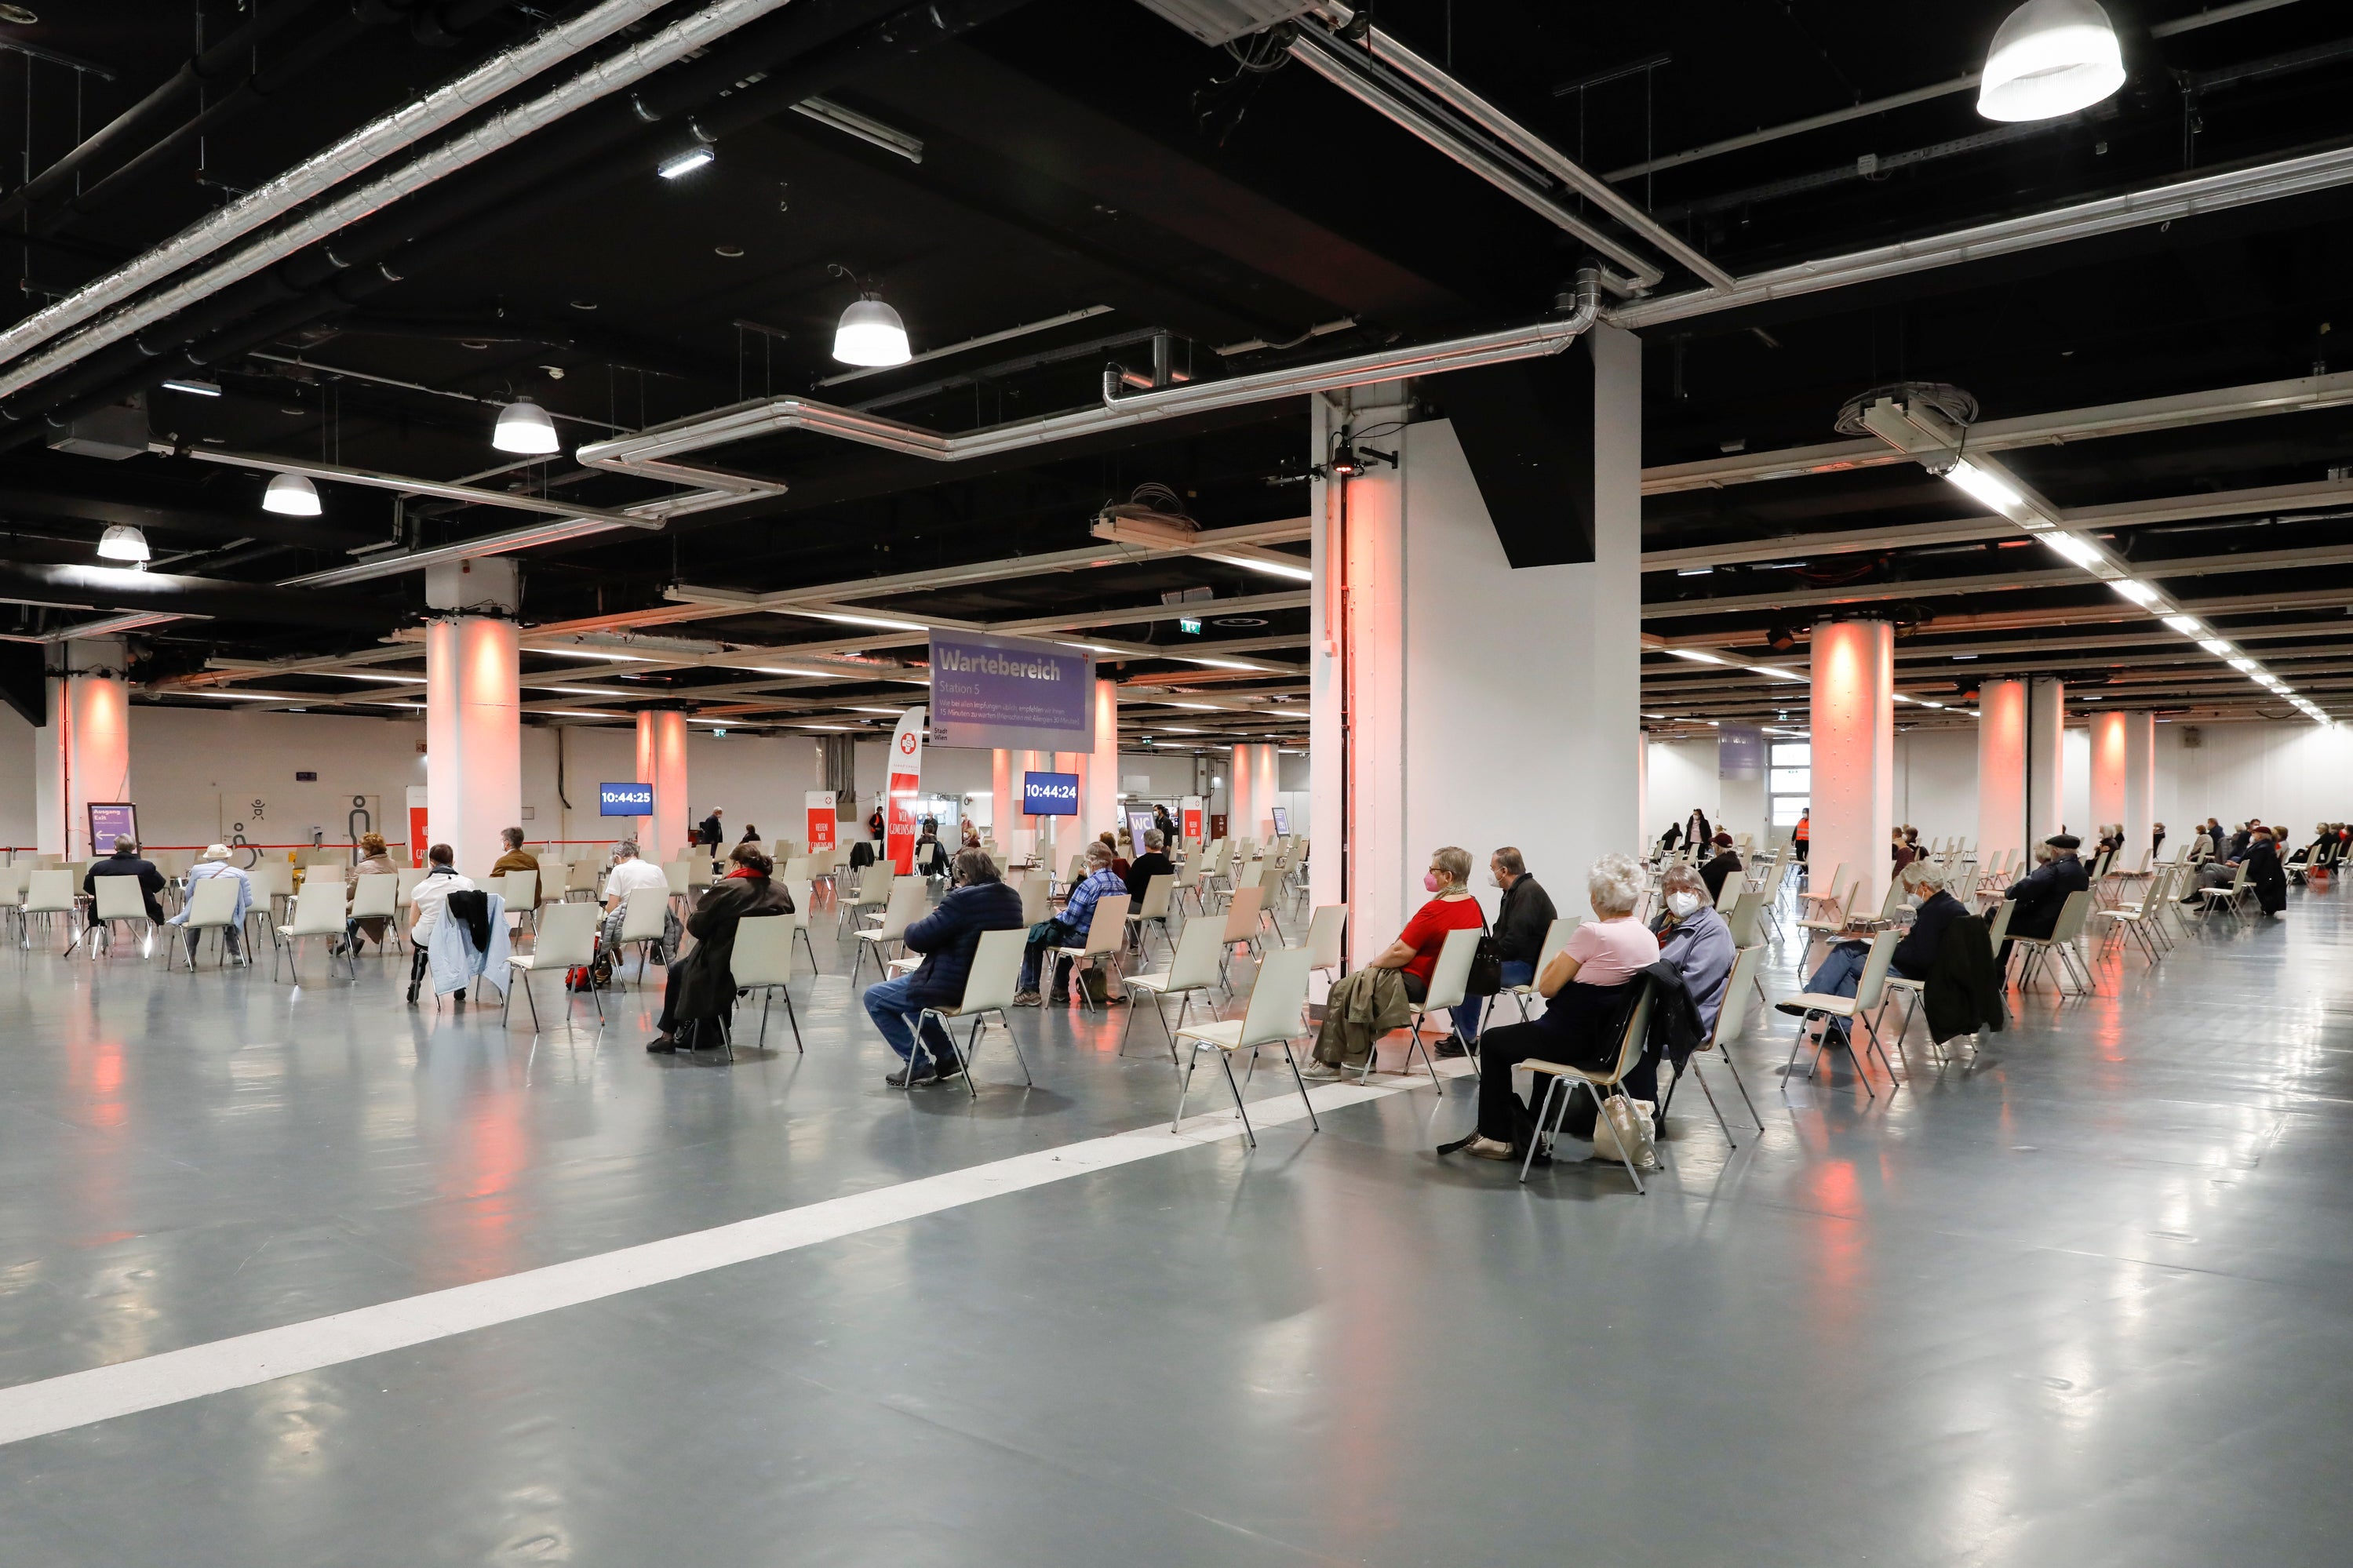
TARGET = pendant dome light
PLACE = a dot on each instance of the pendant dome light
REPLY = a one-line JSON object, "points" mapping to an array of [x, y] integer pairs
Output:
{"points": [[870, 333], [122, 542], [2051, 57], [523, 426], [291, 495]]}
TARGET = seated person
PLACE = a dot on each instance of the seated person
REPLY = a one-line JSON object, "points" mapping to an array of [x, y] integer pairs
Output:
{"points": [[516, 859], [700, 986], [429, 903], [1900, 851], [1694, 936], [2264, 874], [1582, 988], [977, 901], [1721, 864], [1068, 929], [2043, 892], [1368, 1003], [125, 862], [1118, 861], [1841, 970], [629, 874], [375, 860], [1521, 926], [1153, 862], [215, 862]]}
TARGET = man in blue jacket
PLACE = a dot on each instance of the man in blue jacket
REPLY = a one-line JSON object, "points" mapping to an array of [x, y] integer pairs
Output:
{"points": [[977, 901]]}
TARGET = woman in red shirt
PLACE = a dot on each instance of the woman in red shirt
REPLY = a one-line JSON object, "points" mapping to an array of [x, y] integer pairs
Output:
{"points": [[1452, 908]]}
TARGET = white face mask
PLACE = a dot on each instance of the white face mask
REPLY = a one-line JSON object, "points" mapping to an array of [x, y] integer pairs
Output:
{"points": [[1682, 905]]}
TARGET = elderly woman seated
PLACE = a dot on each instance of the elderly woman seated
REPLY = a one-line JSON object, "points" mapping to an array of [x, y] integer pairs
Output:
{"points": [[1366, 1004], [1582, 988], [1841, 971]]}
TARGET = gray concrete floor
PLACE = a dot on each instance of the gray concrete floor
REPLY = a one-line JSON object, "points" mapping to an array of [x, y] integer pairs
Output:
{"points": [[2082, 1300]]}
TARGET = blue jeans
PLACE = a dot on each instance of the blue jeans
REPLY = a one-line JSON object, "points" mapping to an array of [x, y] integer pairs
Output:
{"points": [[1470, 1017], [1840, 974], [894, 1015]]}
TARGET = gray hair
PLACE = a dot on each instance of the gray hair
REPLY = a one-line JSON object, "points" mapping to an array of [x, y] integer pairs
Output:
{"points": [[625, 850], [1614, 885], [1152, 839], [1681, 875], [1509, 860], [1100, 853], [1455, 863], [976, 866], [1926, 878]]}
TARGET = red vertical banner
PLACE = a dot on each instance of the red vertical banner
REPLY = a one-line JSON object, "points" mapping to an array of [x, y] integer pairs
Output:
{"points": [[417, 829], [901, 823], [821, 818], [1191, 828]]}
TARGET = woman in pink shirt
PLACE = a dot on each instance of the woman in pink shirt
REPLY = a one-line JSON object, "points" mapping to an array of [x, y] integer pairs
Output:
{"points": [[1582, 990]]}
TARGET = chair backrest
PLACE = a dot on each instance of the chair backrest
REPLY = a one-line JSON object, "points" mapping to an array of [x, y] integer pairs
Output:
{"points": [[214, 902], [271, 879], [1108, 926], [1727, 892], [1325, 929], [1732, 1012], [797, 890], [322, 871], [373, 895], [1998, 928], [48, 891], [1874, 970], [905, 908], [1077, 873], [642, 915], [996, 971], [1744, 918], [404, 887], [762, 954], [118, 899], [1242, 914], [1452, 970], [1894, 901], [319, 913], [521, 891], [12, 885], [1270, 876], [1189, 874], [795, 870], [1277, 998], [1838, 875], [1198, 952], [1637, 1037], [1557, 937], [1156, 894], [2238, 884], [567, 935], [2071, 916], [1033, 897], [875, 887], [674, 873]]}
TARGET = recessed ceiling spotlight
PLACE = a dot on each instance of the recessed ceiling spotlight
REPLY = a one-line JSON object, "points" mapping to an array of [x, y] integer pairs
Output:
{"points": [[729, 252], [584, 304]]}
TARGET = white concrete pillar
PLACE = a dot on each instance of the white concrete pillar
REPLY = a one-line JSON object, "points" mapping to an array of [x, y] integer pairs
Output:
{"points": [[2046, 739], [661, 763], [473, 710], [83, 752], [1004, 802], [2106, 796], [1250, 788], [2001, 769], [1853, 755], [473, 737], [2140, 787], [1099, 775], [1451, 693]]}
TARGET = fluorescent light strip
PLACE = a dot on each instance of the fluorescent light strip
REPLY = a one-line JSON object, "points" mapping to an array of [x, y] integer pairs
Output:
{"points": [[2079, 551], [1985, 487], [2139, 592], [840, 618], [1216, 663], [593, 653], [2185, 625], [1696, 656], [1273, 569]]}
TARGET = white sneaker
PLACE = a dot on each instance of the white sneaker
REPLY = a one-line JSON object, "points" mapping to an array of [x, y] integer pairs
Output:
{"points": [[1318, 1073]]}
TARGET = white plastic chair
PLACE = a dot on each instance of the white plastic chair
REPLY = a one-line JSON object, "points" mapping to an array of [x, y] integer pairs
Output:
{"points": [[1272, 1018], [644, 917], [1557, 937], [211, 908], [1325, 930], [567, 940], [47, 893], [908, 897], [1731, 1018], [375, 897], [1631, 1046], [1157, 892], [1192, 969], [1857, 1008], [318, 913], [874, 893], [1106, 930], [118, 900], [797, 889], [988, 987], [762, 960], [1447, 978], [1241, 928]]}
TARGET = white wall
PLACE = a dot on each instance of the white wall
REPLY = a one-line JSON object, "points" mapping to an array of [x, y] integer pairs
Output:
{"points": [[1682, 775], [17, 825], [2075, 782], [2292, 773], [1937, 783]]}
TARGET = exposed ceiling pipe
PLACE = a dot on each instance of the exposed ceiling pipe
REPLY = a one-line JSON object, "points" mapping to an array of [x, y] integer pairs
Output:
{"points": [[649, 453], [2084, 220], [812, 44], [1541, 152], [369, 145], [122, 589], [225, 58], [1356, 73], [406, 484]]}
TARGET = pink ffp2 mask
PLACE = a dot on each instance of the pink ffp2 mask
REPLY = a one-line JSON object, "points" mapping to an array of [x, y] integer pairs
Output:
{"points": [[1430, 882]]}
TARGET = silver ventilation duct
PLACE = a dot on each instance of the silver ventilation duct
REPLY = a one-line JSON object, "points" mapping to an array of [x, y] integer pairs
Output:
{"points": [[1222, 21]]}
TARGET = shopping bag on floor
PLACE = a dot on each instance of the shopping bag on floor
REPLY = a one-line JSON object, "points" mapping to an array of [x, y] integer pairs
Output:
{"points": [[1625, 1124]]}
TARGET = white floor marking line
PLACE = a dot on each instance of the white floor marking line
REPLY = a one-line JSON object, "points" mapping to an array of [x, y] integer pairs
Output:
{"points": [[100, 1393]]}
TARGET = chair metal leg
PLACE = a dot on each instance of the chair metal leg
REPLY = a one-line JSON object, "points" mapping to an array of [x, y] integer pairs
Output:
{"points": [[1537, 1134], [1226, 1061], [521, 981], [1185, 1089], [1296, 1076], [1733, 1068], [1020, 1054]]}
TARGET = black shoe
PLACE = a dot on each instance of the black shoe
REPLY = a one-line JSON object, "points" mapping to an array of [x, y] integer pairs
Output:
{"points": [[1791, 1008], [1449, 1049], [412, 995], [458, 997], [900, 1080], [663, 1044], [946, 1068]]}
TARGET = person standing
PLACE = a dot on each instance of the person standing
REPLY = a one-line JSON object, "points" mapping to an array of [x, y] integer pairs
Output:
{"points": [[1800, 835], [711, 833]]}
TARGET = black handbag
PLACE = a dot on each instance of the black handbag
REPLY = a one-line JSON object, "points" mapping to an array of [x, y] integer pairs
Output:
{"points": [[1486, 975]]}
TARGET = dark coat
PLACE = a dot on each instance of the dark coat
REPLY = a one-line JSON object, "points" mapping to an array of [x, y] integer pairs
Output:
{"points": [[1675, 1027], [1963, 994], [950, 935], [1917, 951], [1150, 864], [119, 864], [706, 984], [710, 832], [2043, 892], [2265, 877], [1524, 922], [1713, 873]]}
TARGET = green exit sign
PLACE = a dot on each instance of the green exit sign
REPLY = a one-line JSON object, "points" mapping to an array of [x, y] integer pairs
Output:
{"points": [[1190, 628]]}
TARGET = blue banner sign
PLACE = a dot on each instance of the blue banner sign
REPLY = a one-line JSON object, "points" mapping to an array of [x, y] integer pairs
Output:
{"points": [[989, 692]]}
